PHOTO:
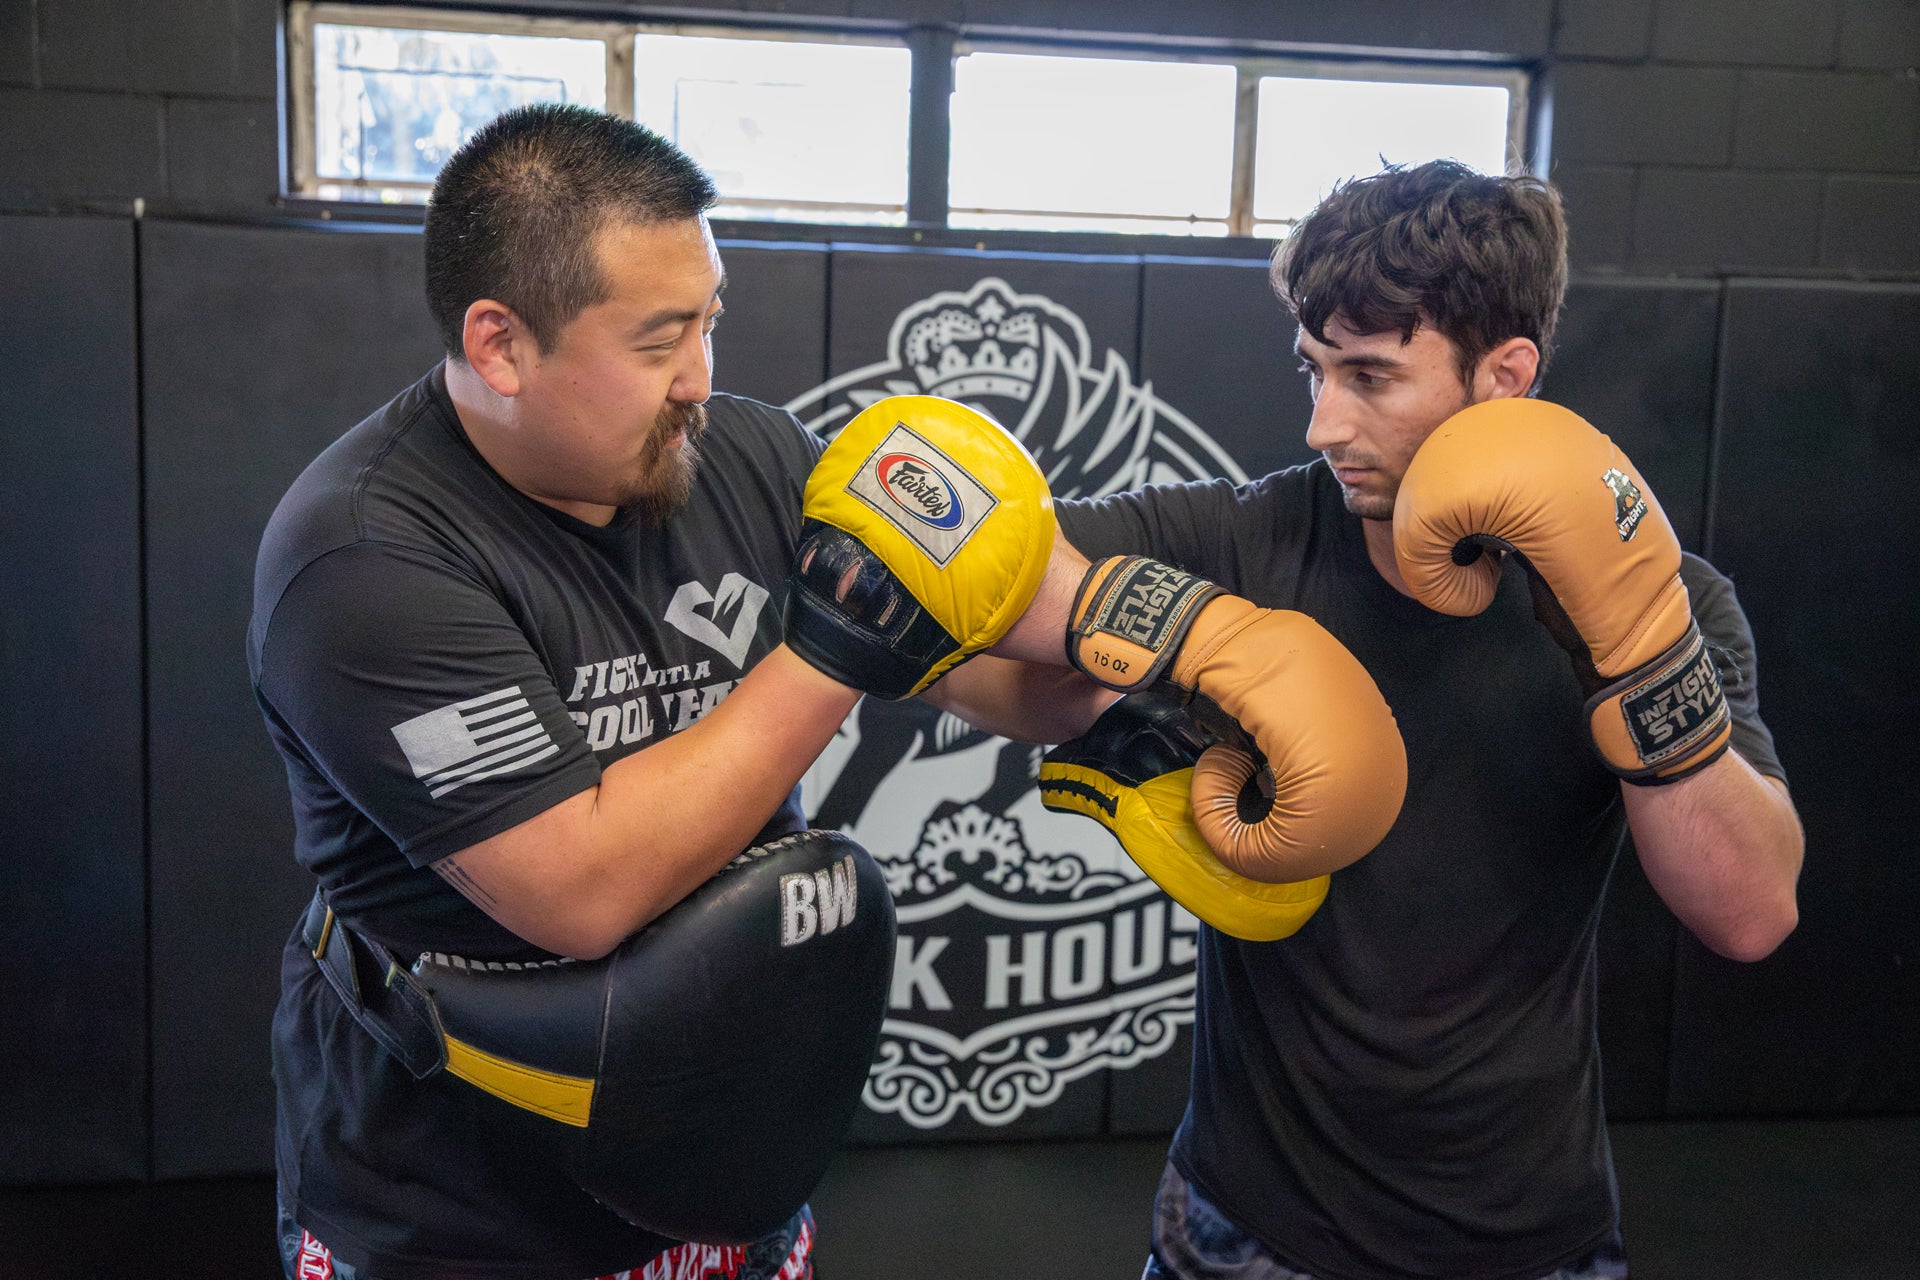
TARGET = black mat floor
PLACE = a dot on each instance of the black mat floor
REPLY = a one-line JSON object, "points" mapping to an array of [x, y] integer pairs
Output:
{"points": [[1765, 1200]]}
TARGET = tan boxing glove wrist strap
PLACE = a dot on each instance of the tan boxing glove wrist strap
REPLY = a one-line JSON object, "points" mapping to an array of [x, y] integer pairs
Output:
{"points": [[1130, 617], [1673, 711]]}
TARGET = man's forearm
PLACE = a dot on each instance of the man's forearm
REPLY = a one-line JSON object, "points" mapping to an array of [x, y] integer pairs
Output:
{"points": [[584, 874], [1041, 633], [1723, 849], [1025, 701]]}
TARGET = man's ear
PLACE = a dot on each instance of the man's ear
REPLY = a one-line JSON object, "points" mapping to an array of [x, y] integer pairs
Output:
{"points": [[496, 343], [1507, 370]]}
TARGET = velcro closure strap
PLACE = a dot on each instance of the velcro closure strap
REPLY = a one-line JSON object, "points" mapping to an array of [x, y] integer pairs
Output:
{"points": [[391, 1010], [852, 617], [1130, 617], [1667, 719]]}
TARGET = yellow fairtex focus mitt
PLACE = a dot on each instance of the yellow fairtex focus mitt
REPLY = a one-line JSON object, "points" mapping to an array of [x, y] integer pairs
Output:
{"points": [[926, 532], [1536, 480], [1132, 772]]}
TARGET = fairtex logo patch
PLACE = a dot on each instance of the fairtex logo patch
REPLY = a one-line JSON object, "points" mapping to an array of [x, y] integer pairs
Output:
{"points": [[920, 489], [922, 492]]}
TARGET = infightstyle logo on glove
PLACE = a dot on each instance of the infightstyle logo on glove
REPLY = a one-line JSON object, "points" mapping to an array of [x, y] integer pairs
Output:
{"points": [[1130, 617], [1678, 707], [922, 492], [1629, 508]]}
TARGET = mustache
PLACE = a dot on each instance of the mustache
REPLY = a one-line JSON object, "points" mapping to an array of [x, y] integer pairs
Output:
{"points": [[1350, 458], [688, 417], [668, 478]]}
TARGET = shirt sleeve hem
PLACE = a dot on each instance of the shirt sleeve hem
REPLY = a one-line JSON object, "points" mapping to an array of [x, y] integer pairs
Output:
{"points": [[471, 828]]}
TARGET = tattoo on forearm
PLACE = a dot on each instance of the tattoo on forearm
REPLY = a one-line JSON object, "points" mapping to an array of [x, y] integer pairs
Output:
{"points": [[456, 875]]}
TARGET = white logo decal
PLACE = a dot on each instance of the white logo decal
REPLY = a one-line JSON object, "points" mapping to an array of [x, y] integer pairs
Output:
{"points": [[922, 492], [817, 902], [482, 737], [1032, 952], [1026, 362], [1060, 966], [735, 593]]}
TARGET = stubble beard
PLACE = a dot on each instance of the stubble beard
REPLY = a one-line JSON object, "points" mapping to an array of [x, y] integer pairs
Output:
{"points": [[1379, 506], [666, 472], [1368, 506]]}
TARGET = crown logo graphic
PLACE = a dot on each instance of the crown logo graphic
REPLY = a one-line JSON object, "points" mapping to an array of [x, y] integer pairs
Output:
{"points": [[988, 344], [1027, 362]]}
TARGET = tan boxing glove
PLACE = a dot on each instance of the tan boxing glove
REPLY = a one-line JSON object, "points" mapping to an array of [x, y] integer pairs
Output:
{"points": [[1536, 480], [1334, 766]]}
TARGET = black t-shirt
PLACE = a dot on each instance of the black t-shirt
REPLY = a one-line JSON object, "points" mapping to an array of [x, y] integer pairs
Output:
{"points": [[1410, 1085], [440, 658]]}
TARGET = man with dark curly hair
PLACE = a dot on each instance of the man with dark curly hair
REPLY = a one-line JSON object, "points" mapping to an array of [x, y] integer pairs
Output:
{"points": [[1409, 1086]]}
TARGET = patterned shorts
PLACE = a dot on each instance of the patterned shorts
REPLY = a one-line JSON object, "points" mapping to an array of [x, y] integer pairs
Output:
{"points": [[1193, 1240], [787, 1255]]}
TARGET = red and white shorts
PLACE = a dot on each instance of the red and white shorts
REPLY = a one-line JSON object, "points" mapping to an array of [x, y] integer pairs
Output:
{"points": [[302, 1257]]}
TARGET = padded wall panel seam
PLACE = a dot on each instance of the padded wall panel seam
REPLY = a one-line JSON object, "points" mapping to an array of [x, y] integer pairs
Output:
{"points": [[1816, 524], [1655, 399]]}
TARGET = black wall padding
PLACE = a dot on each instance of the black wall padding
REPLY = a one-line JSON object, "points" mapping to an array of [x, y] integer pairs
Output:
{"points": [[73, 1074], [1151, 1095], [1654, 396], [1656, 401], [257, 346], [260, 346], [1219, 347], [771, 344], [1817, 523]]}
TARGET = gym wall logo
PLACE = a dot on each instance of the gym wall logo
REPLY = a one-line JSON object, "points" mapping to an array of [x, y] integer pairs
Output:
{"points": [[1032, 953]]}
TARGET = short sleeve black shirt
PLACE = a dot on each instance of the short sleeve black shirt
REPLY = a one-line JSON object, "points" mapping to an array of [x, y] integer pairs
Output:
{"points": [[438, 659], [1410, 1085]]}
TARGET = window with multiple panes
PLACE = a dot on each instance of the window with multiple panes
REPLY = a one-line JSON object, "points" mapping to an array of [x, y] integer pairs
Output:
{"points": [[805, 126]]}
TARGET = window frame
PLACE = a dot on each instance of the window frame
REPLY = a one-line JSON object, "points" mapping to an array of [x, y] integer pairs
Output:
{"points": [[1252, 68], [792, 35], [934, 51], [304, 183], [1517, 81], [1104, 52]]}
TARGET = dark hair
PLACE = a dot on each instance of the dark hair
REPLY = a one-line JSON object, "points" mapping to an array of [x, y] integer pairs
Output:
{"points": [[516, 211], [1480, 259]]}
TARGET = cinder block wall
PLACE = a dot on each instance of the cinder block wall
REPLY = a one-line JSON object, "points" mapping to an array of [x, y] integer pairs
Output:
{"points": [[1777, 137], [171, 102]]}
